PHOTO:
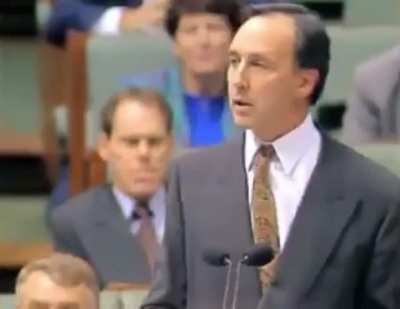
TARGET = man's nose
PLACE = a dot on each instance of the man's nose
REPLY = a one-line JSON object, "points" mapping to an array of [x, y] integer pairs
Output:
{"points": [[203, 36], [143, 149], [238, 77]]}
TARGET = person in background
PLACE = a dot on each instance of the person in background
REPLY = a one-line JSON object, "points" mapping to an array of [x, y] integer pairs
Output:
{"points": [[58, 281], [108, 17], [118, 227], [196, 88], [373, 110]]}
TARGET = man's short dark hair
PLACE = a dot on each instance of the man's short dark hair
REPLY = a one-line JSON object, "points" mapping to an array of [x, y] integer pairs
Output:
{"points": [[312, 40], [230, 9], [145, 97]]}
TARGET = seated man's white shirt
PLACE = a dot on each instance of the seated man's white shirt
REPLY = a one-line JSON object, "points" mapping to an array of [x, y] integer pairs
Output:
{"points": [[109, 22], [297, 154]]}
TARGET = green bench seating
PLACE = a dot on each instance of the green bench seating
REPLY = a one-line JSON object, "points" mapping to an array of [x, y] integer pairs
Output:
{"points": [[108, 300], [109, 59], [23, 230], [386, 154], [351, 46]]}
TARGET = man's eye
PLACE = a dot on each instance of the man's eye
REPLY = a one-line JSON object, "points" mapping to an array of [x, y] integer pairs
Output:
{"points": [[189, 29], [257, 64], [131, 141], [233, 61], [215, 27], [155, 141]]}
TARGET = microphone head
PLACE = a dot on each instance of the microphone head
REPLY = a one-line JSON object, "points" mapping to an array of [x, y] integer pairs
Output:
{"points": [[216, 257], [259, 255]]}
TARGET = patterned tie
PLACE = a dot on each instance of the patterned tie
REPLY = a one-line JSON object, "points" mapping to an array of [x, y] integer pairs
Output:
{"points": [[147, 234], [264, 219]]}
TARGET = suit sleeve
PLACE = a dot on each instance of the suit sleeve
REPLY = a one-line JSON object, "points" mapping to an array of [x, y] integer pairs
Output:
{"points": [[63, 235], [382, 287], [71, 15], [169, 285], [361, 121]]}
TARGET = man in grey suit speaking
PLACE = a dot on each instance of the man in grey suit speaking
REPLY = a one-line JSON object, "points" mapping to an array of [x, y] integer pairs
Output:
{"points": [[331, 215]]}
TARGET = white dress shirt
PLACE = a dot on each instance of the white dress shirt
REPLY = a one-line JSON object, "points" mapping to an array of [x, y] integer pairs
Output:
{"points": [[290, 171], [156, 205], [109, 22]]}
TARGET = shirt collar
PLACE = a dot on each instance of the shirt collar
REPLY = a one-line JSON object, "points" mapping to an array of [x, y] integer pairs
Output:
{"points": [[128, 205], [289, 148]]}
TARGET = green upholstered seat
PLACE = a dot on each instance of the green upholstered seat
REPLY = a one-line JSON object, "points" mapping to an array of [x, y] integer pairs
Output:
{"points": [[372, 12], [385, 154], [108, 300], [110, 59], [22, 219], [350, 46]]}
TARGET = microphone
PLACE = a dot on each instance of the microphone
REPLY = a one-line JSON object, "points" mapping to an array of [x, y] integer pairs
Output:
{"points": [[215, 257], [257, 256]]}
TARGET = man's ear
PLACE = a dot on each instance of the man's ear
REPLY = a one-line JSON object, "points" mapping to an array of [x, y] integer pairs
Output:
{"points": [[102, 146], [308, 80]]}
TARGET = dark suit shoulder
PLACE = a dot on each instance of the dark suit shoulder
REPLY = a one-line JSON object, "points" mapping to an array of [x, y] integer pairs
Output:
{"points": [[208, 162], [380, 62], [210, 154], [81, 205]]}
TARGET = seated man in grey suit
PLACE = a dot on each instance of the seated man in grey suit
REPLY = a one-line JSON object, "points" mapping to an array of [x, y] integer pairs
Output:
{"points": [[373, 110], [58, 281], [330, 215], [117, 228]]}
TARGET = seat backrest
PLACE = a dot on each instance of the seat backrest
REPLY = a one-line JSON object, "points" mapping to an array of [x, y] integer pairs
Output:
{"points": [[351, 46], [96, 68], [131, 299], [372, 12], [386, 154], [7, 301], [111, 59]]}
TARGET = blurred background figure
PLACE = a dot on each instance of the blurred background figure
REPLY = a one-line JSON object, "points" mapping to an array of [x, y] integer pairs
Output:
{"points": [[102, 16], [59, 281], [196, 89], [110, 16], [118, 227], [373, 112]]}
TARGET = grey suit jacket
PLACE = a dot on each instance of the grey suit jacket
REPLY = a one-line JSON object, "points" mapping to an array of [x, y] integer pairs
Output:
{"points": [[91, 226], [342, 250], [373, 110]]}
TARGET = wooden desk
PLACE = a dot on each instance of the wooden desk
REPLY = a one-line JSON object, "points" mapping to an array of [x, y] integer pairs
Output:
{"points": [[14, 255]]}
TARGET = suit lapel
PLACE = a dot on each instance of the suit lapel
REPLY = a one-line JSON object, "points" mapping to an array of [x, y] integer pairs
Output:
{"points": [[319, 222], [110, 243], [235, 211], [234, 179]]}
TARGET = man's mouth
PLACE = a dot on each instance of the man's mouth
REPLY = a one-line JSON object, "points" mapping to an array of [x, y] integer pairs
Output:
{"points": [[241, 103]]}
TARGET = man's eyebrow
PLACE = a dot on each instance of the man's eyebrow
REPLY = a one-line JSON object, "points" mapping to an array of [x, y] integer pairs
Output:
{"points": [[69, 305], [37, 304], [233, 53]]}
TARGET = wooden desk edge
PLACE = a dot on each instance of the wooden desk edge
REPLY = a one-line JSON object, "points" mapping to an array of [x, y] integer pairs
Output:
{"points": [[17, 254]]}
